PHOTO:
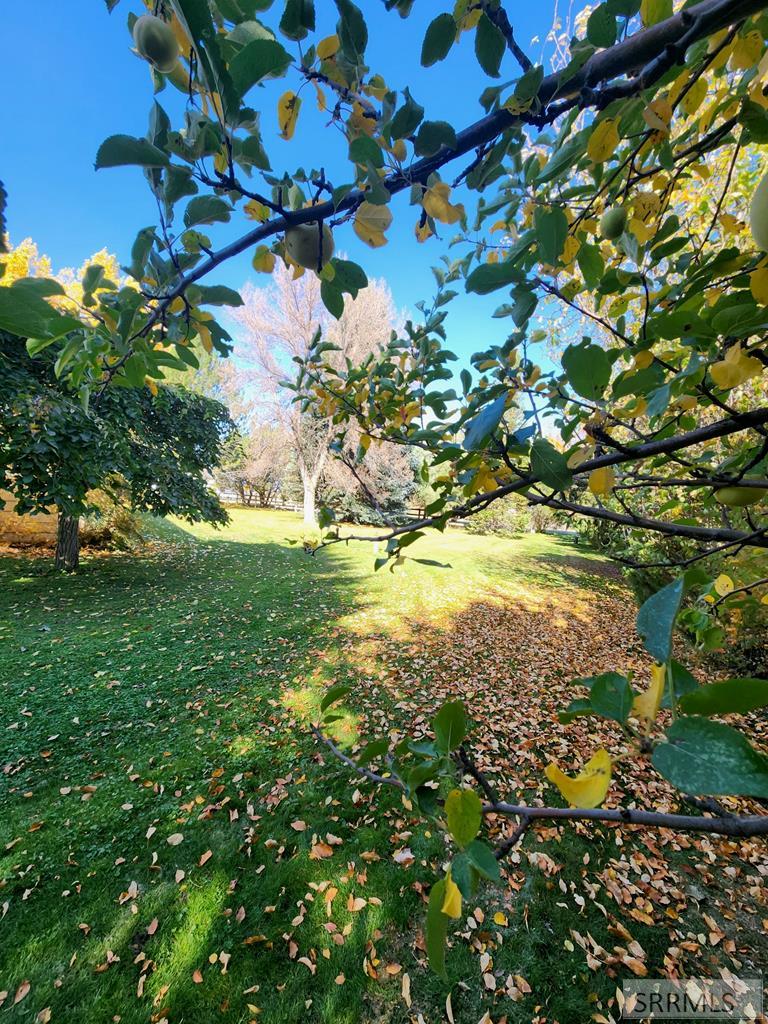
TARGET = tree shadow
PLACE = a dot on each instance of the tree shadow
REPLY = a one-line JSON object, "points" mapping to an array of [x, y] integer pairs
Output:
{"points": [[159, 697]]}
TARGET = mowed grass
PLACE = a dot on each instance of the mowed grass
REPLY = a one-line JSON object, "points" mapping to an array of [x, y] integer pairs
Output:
{"points": [[164, 696]]}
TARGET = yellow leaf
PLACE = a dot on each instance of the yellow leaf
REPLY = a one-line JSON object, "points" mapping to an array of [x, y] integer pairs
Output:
{"points": [[376, 87], [654, 11], [500, 919], [436, 201], [205, 338], [328, 47], [658, 114], [602, 481], [371, 222], [723, 585], [255, 210], [263, 260], [604, 140], [452, 902], [570, 250], [423, 231], [695, 96], [288, 107], [647, 705], [580, 455], [735, 369], [361, 121], [151, 384], [322, 103], [746, 51], [643, 360], [590, 786], [758, 283]]}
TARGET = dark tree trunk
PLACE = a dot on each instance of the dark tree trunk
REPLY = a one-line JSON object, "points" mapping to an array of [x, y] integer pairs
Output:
{"points": [[68, 543]]}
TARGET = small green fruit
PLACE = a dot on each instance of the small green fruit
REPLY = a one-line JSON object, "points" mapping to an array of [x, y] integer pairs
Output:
{"points": [[613, 222], [739, 497], [155, 41], [302, 244], [758, 215]]}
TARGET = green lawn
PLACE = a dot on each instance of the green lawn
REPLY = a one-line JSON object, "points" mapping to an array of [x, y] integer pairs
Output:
{"points": [[164, 695]]}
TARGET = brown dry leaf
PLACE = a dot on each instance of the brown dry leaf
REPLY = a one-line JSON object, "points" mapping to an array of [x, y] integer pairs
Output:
{"points": [[405, 990], [197, 977], [299, 826], [21, 992], [175, 839], [205, 858], [320, 851], [152, 926]]}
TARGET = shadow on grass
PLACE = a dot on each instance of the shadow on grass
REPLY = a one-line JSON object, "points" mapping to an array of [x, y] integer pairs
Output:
{"points": [[148, 699]]}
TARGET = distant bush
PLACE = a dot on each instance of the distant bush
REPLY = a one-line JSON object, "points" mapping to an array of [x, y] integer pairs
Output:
{"points": [[510, 517], [110, 525]]}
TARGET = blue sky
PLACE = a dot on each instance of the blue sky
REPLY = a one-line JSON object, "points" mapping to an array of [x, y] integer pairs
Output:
{"points": [[85, 84]]}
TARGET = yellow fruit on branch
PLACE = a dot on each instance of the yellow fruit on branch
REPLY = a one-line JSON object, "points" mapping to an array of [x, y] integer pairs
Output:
{"points": [[613, 222], [155, 41], [740, 497], [302, 243], [758, 215]]}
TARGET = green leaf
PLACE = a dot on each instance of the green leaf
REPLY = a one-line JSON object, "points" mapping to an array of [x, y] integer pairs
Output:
{"points": [[682, 682], [480, 427], [711, 759], [551, 227], [611, 696], [440, 37], [734, 696], [195, 16], [298, 19], [591, 264], [488, 277], [213, 295], [482, 859], [349, 277], [433, 135], [352, 31], [464, 813], [206, 210], [654, 11], [489, 46], [587, 368], [407, 119], [549, 465], [25, 313], [576, 709], [656, 620], [334, 695], [437, 929], [364, 151], [450, 726], [372, 751], [256, 61], [332, 297], [125, 150], [601, 27]]}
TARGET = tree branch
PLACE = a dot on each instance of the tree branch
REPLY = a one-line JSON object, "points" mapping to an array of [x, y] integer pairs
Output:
{"points": [[622, 59]]}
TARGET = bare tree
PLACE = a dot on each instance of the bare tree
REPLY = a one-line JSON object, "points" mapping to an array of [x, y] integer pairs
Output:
{"points": [[280, 322]]}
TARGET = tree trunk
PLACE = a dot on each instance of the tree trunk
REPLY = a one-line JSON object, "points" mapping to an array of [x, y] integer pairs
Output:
{"points": [[310, 487], [68, 543]]}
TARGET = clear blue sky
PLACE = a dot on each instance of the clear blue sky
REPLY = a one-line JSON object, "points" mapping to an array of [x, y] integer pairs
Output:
{"points": [[84, 84]]}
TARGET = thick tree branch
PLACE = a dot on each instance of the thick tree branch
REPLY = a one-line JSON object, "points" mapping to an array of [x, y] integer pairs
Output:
{"points": [[742, 826], [620, 60]]}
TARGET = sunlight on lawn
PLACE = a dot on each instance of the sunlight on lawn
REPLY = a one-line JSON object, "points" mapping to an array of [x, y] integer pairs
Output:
{"points": [[183, 708]]}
